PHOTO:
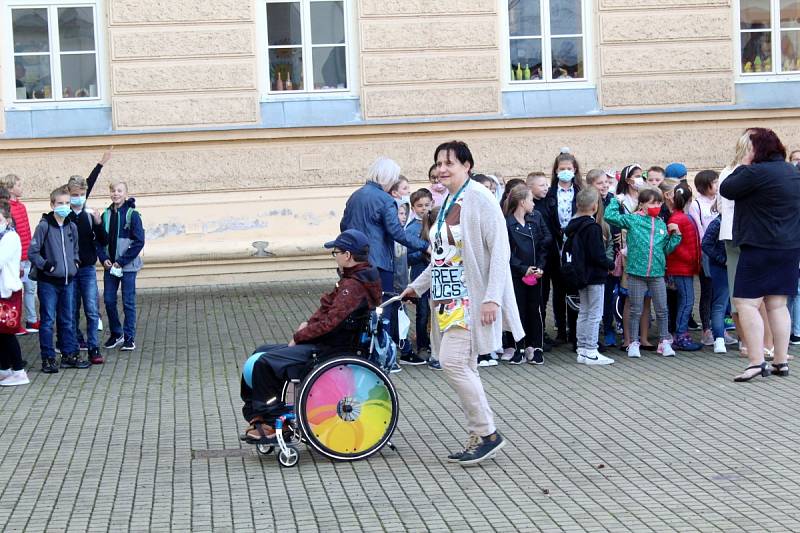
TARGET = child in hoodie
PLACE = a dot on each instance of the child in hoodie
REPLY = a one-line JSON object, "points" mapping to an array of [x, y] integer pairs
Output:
{"points": [[591, 262], [649, 241], [121, 261], [54, 254], [418, 261]]}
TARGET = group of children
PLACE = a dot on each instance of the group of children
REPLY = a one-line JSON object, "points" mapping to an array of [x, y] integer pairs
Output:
{"points": [[609, 247], [57, 263]]}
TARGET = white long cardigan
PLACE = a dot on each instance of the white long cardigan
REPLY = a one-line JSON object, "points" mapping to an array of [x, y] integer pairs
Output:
{"points": [[486, 267]]}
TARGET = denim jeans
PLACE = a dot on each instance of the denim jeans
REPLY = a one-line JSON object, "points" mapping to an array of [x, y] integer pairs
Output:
{"points": [[720, 296], [86, 290], [685, 287], [29, 293], [56, 302], [794, 310], [422, 320], [110, 287]]}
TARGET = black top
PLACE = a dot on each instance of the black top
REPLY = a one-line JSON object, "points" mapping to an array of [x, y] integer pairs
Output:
{"points": [[89, 233], [548, 207], [767, 212], [528, 242], [588, 245]]}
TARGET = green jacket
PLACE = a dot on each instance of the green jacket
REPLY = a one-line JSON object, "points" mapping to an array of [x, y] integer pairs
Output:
{"points": [[648, 241]]}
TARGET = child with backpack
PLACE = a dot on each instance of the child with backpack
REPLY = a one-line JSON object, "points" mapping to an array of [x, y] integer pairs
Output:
{"points": [[585, 265], [121, 261], [649, 240], [418, 261], [683, 264], [714, 249]]}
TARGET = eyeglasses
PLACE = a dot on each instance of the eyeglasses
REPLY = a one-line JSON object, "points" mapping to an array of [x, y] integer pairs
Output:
{"points": [[334, 253]]}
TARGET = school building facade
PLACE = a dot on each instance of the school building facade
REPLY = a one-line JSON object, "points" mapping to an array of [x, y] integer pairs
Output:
{"points": [[242, 126]]}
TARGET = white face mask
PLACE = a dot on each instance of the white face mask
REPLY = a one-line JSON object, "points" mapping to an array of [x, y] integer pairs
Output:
{"points": [[638, 183]]}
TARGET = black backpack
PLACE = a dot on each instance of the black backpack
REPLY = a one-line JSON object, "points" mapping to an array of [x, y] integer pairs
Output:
{"points": [[573, 264]]}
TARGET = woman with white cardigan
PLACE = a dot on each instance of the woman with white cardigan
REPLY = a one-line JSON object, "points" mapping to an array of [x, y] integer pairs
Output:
{"points": [[470, 282], [12, 370]]}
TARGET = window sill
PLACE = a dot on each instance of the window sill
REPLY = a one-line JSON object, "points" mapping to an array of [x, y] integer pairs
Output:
{"points": [[307, 97], [767, 78], [94, 103], [547, 85]]}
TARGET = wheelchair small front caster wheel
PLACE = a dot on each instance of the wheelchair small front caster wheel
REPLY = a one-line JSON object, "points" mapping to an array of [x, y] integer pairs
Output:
{"points": [[264, 449], [288, 458]]}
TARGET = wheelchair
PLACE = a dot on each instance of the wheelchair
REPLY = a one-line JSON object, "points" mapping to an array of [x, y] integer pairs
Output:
{"points": [[346, 407]]}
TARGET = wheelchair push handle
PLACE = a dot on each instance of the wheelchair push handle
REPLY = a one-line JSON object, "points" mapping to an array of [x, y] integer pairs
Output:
{"points": [[390, 301]]}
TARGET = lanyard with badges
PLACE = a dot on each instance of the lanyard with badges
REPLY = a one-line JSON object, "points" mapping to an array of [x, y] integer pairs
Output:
{"points": [[447, 282]]}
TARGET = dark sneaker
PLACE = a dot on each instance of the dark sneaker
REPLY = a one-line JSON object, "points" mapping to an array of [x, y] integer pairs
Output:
{"points": [[80, 362], [49, 366], [794, 339], [472, 442], [405, 359], [538, 357], [486, 360], [32, 327], [517, 358], [395, 369], [128, 345], [94, 356], [113, 341], [685, 343], [67, 361], [82, 346], [487, 448], [694, 326], [434, 364]]}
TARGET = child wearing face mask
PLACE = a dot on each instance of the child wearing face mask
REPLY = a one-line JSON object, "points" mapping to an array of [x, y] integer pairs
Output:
{"points": [[438, 191], [683, 264], [559, 208], [649, 241]]}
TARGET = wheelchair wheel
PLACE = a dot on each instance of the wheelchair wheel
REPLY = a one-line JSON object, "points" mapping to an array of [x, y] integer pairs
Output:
{"points": [[264, 449], [347, 408], [288, 458]]}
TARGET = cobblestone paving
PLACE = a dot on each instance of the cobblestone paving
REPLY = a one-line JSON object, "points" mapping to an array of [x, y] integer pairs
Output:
{"points": [[148, 441]]}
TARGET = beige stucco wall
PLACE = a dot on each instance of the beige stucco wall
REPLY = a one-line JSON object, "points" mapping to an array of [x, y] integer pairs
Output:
{"points": [[665, 53], [182, 63], [246, 205]]}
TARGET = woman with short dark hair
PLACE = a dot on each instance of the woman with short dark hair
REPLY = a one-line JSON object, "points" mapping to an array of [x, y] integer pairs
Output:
{"points": [[766, 227]]}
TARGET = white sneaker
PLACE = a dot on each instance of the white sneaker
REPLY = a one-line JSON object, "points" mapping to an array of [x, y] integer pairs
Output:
{"points": [[719, 345], [581, 352], [487, 362], [665, 348], [5, 374], [708, 338], [100, 325], [593, 357], [508, 353], [633, 350], [17, 377], [729, 339]]}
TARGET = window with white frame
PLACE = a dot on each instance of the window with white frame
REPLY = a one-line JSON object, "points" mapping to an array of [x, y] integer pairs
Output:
{"points": [[307, 45], [54, 49], [547, 41], [769, 32]]}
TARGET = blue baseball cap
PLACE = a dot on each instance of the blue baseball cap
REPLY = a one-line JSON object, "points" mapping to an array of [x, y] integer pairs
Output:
{"points": [[675, 170], [352, 241]]}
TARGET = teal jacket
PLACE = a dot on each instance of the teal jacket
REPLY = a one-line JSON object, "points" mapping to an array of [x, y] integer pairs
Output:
{"points": [[648, 241]]}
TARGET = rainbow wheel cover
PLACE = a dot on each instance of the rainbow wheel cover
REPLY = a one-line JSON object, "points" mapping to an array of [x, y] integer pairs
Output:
{"points": [[349, 409]]}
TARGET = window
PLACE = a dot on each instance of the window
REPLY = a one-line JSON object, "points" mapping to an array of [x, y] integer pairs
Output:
{"points": [[769, 36], [54, 50], [547, 41], [307, 45]]}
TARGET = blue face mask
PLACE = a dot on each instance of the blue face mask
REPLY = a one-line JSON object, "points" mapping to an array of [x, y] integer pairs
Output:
{"points": [[565, 175], [77, 201], [62, 210]]}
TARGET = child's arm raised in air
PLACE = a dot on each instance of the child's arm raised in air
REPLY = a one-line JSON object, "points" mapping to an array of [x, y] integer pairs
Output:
{"points": [[92, 179], [614, 217]]}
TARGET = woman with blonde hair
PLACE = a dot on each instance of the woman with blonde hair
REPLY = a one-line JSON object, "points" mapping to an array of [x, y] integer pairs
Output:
{"points": [[743, 156]]}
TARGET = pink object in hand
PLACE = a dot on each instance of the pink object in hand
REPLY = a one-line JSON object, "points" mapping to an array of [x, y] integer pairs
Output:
{"points": [[530, 279]]}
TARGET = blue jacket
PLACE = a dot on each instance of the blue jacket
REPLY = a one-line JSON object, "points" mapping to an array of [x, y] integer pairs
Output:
{"points": [[417, 261], [712, 246], [373, 211], [129, 236]]}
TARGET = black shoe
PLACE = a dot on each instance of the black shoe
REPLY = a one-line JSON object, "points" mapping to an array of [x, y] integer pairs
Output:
{"points": [[517, 358], [601, 347], [486, 449], [538, 358], [548, 340], [794, 339], [764, 373], [80, 362], [781, 369], [113, 341], [561, 338], [694, 326], [406, 359], [546, 346], [49, 366], [67, 361], [128, 345]]}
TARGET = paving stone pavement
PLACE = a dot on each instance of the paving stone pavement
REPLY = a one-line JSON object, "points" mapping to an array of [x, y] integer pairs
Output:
{"points": [[149, 441]]}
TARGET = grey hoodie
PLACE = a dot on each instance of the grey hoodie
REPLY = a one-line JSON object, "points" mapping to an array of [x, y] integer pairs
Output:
{"points": [[54, 250]]}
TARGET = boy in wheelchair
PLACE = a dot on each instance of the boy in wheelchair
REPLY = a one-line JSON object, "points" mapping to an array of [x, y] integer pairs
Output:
{"points": [[333, 328]]}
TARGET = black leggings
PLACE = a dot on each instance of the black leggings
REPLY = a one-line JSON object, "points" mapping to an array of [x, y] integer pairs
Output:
{"points": [[10, 355], [530, 313]]}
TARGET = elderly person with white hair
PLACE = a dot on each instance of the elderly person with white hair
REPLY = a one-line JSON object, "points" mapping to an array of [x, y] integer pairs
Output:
{"points": [[373, 211]]}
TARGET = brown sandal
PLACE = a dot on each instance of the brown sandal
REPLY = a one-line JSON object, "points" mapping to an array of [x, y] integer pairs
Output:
{"points": [[264, 434]]}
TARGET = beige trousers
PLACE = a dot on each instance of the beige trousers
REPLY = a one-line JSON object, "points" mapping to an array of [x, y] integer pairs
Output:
{"points": [[460, 367]]}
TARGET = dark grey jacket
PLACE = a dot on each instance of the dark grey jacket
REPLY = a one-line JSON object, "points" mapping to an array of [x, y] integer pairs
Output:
{"points": [[54, 250]]}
